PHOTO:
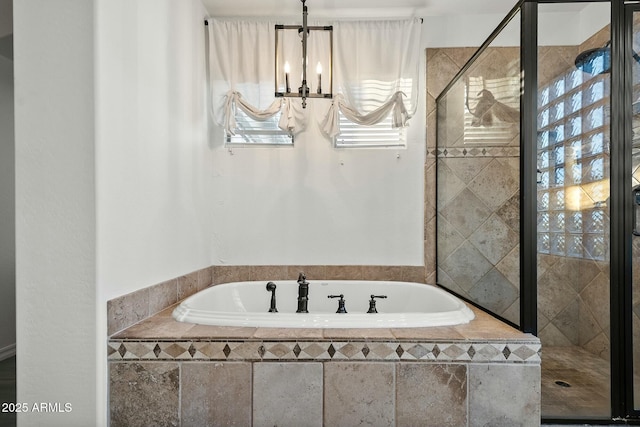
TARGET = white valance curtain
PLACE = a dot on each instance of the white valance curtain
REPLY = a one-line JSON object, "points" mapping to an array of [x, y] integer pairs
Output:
{"points": [[241, 62], [375, 73], [376, 67]]}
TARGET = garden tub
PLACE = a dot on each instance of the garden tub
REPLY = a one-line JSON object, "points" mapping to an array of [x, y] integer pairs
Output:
{"points": [[406, 305]]}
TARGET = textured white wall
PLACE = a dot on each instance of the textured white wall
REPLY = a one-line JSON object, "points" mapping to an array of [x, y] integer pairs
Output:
{"points": [[55, 210], [154, 165], [112, 167], [7, 213], [315, 204]]}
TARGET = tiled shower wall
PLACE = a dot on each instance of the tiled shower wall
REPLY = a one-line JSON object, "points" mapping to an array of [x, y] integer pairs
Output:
{"points": [[573, 292], [573, 259], [478, 200]]}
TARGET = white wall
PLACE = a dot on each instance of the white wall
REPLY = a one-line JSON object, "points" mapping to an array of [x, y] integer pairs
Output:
{"points": [[315, 204], [460, 30], [7, 213], [55, 210], [153, 162], [112, 171], [577, 21], [153, 165]]}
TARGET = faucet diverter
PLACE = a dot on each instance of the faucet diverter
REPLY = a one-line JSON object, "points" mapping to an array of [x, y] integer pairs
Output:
{"points": [[303, 294], [341, 308], [372, 303]]}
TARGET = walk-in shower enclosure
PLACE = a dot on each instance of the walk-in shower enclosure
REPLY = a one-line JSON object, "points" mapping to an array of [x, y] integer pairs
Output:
{"points": [[537, 166]]}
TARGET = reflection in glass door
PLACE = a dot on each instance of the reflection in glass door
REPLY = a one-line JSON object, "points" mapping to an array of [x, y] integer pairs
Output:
{"points": [[573, 227]]}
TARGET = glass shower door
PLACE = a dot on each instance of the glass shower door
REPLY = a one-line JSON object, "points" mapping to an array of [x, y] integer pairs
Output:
{"points": [[573, 226], [478, 176]]}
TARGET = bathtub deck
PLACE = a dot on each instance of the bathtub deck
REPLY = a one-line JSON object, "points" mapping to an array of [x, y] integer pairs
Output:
{"points": [[162, 326], [485, 339]]}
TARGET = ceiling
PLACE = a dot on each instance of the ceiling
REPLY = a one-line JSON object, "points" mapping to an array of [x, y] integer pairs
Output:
{"points": [[372, 8], [357, 8]]}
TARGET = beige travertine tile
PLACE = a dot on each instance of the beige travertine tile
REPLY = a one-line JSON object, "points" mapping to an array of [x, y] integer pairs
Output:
{"points": [[312, 272], [235, 332], [504, 395], [144, 394], [126, 310], [270, 272], [371, 333], [205, 278], [167, 312], [596, 297], [465, 266], [485, 326], [288, 333], [377, 272], [359, 394], [216, 394], [343, 272], [141, 329], [169, 328], [431, 277], [287, 394], [509, 266], [431, 395], [500, 178], [413, 274], [494, 239], [460, 55], [163, 295], [554, 293], [449, 239], [466, 212], [187, 285], [432, 333], [231, 273], [440, 70]]}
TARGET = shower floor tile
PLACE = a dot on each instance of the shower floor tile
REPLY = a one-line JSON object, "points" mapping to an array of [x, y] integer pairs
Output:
{"points": [[584, 389]]}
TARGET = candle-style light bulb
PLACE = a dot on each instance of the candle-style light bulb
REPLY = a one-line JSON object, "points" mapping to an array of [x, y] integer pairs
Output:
{"points": [[319, 71], [287, 70]]}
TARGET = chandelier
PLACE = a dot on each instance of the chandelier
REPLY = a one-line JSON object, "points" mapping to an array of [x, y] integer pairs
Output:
{"points": [[295, 48]]}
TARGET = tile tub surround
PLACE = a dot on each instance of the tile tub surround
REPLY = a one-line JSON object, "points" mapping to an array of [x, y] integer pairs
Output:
{"points": [[481, 373], [127, 310]]}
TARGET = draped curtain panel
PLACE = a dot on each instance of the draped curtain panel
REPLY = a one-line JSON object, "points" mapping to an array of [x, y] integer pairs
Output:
{"points": [[375, 66]]}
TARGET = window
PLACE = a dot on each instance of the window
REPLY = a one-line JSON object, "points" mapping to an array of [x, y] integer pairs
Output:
{"points": [[371, 94], [378, 135], [258, 133]]}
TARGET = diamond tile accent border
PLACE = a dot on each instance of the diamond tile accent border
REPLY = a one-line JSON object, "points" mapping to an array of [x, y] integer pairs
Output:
{"points": [[478, 151], [458, 351]]}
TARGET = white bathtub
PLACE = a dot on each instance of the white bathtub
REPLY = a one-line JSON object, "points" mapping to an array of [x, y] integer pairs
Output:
{"points": [[247, 304]]}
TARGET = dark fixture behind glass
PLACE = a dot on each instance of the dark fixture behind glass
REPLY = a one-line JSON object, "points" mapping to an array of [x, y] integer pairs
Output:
{"points": [[595, 61], [598, 60]]}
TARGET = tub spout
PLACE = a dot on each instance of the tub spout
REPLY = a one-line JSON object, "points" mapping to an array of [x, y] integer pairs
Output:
{"points": [[303, 294]]}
